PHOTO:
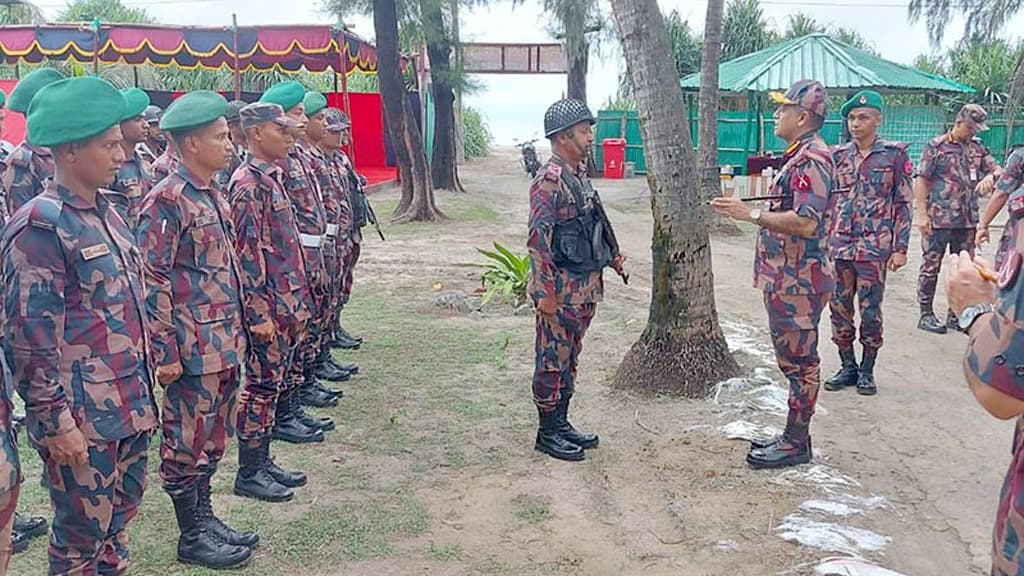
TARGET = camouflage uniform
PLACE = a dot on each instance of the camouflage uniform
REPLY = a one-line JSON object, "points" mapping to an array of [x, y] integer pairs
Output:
{"points": [[334, 187], [795, 273], [195, 320], [348, 234], [130, 186], [559, 338], [952, 169], [353, 245], [871, 211], [76, 336], [25, 173], [164, 166], [273, 288], [301, 181], [1011, 183]]}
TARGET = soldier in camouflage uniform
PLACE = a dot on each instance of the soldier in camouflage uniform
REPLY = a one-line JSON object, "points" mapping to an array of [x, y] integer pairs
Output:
{"points": [[351, 236], [27, 168], [302, 185], [991, 314], [155, 142], [195, 320], [791, 265], [75, 330], [870, 235], [165, 165], [10, 477], [5, 146], [1008, 186], [949, 180], [566, 274], [237, 139], [133, 179], [273, 296]]}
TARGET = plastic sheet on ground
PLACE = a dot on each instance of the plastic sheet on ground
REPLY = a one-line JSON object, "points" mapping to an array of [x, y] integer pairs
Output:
{"points": [[851, 567], [829, 536]]}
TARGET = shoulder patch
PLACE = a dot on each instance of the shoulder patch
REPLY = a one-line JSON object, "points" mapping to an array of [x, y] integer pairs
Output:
{"points": [[44, 213], [552, 172]]}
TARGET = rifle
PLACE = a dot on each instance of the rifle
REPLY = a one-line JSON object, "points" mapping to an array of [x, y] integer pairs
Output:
{"points": [[371, 216], [608, 234]]}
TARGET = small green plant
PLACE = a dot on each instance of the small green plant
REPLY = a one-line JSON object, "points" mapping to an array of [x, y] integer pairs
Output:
{"points": [[478, 136], [506, 274]]}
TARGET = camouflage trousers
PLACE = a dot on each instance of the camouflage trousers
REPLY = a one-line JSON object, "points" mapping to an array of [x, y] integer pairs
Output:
{"points": [[865, 281], [1007, 535], [198, 420], [557, 349], [309, 347], [793, 322], [8, 504], [333, 262], [934, 246], [92, 505], [351, 257], [266, 367]]}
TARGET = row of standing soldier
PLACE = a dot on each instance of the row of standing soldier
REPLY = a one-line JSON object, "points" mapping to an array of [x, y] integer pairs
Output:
{"points": [[143, 248]]}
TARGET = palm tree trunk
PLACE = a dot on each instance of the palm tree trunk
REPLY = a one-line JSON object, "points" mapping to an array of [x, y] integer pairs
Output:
{"points": [[443, 168], [682, 349]]}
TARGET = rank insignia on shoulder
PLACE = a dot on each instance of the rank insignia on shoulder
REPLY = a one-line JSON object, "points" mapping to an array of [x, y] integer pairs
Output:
{"points": [[93, 252], [1009, 270]]}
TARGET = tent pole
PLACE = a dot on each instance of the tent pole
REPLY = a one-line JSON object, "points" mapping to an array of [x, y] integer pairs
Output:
{"points": [[342, 49], [235, 71], [746, 141], [96, 47]]}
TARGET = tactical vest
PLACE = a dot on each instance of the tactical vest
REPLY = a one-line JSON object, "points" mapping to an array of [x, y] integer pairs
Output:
{"points": [[579, 243]]}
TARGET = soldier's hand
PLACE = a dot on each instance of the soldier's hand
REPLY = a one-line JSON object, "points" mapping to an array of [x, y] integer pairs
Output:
{"points": [[264, 331], [925, 224], [168, 374], [897, 260], [618, 264], [547, 306], [732, 207], [987, 184], [981, 236], [69, 448], [964, 283]]}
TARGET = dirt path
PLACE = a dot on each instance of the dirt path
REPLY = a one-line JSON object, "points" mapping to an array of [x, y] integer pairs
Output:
{"points": [[432, 469]]}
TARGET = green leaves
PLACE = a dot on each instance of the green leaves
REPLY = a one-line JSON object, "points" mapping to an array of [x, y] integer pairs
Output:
{"points": [[506, 274]]}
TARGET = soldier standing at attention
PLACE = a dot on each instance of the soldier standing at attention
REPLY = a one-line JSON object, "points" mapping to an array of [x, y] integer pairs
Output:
{"points": [[273, 296], [791, 265], [294, 425], [351, 235], [237, 137], [133, 179], [566, 273], [949, 180], [77, 339], [165, 164], [155, 142], [27, 168], [870, 235], [195, 308]]}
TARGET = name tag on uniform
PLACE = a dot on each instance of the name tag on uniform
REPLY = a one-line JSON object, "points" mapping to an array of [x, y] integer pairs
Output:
{"points": [[93, 252], [205, 220], [974, 173]]}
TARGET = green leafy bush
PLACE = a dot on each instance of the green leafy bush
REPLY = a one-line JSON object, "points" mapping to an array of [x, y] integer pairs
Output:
{"points": [[477, 135], [506, 275]]}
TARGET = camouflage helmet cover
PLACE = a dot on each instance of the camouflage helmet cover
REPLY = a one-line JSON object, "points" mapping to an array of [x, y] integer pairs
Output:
{"points": [[565, 114], [152, 114]]}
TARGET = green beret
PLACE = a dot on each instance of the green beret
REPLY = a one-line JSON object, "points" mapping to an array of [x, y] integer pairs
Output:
{"points": [[27, 87], [863, 99], [192, 110], [137, 102], [314, 103], [74, 109], [288, 95]]}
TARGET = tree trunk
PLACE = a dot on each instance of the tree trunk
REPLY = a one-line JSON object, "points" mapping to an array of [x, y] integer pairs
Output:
{"points": [[460, 129], [682, 349], [443, 168], [707, 116], [417, 194], [579, 61]]}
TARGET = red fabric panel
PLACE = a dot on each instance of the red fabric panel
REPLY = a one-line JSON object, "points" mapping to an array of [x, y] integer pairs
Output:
{"points": [[311, 39], [14, 123], [367, 126], [163, 40]]}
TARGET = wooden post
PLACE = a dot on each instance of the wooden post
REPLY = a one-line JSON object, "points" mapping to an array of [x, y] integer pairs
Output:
{"points": [[96, 47], [750, 121], [236, 71], [343, 62]]}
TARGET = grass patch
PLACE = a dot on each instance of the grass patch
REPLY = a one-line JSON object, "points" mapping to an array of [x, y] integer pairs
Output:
{"points": [[445, 552], [531, 510]]}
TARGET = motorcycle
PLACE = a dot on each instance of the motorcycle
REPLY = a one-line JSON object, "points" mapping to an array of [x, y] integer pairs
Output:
{"points": [[528, 157]]}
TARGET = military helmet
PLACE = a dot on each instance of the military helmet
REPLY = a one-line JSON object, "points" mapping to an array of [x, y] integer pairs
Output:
{"points": [[565, 114], [152, 114]]}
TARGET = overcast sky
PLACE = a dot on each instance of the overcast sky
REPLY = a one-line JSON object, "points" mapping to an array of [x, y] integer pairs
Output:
{"points": [[514, 105]]}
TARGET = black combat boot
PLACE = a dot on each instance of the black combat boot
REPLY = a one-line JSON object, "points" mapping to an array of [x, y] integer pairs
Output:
{"points": [[215, 525], [17, 423], [565, 429], [793, 448], [19, 542], [311, 393], [847, 374], [952, 322], [550, 442], [866, 380], [198, 546], [253, 479], [929, 323], [323, 423], [283, 477], [350, 367], [287, 425], [326, 370], [30, 526]]}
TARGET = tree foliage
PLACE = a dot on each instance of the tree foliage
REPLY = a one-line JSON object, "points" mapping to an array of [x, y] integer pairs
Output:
{"points": [[745, 29], [105, 11]]}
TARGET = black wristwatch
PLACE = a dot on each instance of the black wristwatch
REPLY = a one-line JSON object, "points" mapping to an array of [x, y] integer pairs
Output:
{"points": [[972, 313]]}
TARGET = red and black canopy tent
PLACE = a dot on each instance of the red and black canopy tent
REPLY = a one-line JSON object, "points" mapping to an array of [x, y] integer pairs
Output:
{"points": [[316, 48]]}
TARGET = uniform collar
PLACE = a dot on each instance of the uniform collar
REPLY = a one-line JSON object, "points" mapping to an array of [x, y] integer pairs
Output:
{"points": [[190, 177], [268, 168], [69, 198], [37, 150]]}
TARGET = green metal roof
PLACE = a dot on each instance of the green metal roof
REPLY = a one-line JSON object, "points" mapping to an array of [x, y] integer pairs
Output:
{"points": [[818, 56]]}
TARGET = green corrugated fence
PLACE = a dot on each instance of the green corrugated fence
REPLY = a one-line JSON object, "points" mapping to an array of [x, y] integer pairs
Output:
{"points": [[915, 125]]}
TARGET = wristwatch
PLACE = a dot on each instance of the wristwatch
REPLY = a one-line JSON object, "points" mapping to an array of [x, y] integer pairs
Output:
{"points": [[971, 313], [755, 216]]}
